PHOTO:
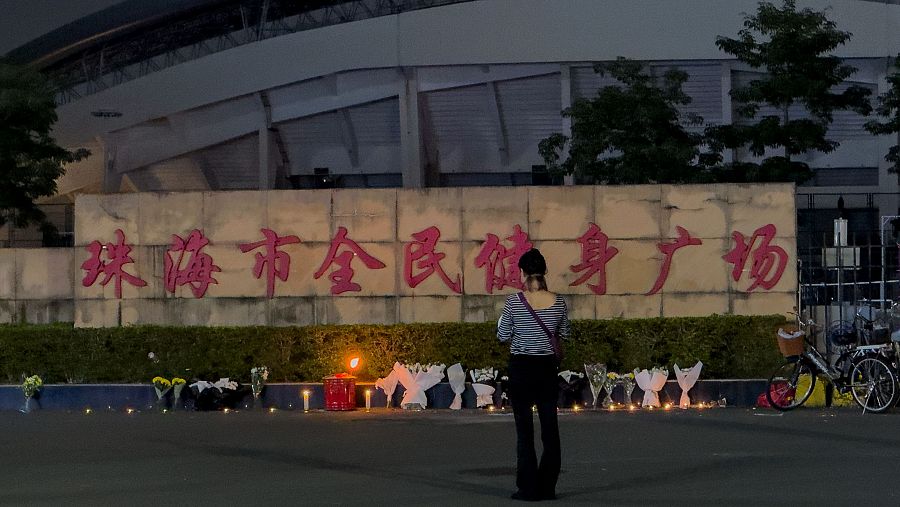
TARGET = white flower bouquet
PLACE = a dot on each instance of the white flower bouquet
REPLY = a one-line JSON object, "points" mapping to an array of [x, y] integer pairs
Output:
{"points": [[417, 379], [388, 384], [596, 374], [687, 377], [224, 393], [651, 382], [484, 384], [258, 377], [612, 378], [456, 376]]}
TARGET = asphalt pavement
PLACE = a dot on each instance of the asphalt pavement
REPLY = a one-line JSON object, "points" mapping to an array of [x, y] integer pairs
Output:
{"points": [[719, 456]]}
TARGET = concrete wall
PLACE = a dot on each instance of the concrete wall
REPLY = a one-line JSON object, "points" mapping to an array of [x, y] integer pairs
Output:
{"points": [[36, 285], [635, 218]]}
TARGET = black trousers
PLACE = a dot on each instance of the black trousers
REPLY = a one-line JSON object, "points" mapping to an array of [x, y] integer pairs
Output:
{"points": [[532, 382]]}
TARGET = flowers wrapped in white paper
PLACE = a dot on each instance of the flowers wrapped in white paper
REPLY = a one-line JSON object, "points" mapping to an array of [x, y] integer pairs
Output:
{"points": [[388, 385], [416, 385], [651, 382], [457, 378], [201, 385], [484, 393], [686, 380], [221, 384], [226, 383]]}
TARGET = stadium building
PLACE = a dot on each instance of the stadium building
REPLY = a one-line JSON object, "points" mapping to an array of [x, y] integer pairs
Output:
{"points": [[271, 94]]}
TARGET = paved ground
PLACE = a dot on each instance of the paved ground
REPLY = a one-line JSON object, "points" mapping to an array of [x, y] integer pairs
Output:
{"points": [[728, 456]]}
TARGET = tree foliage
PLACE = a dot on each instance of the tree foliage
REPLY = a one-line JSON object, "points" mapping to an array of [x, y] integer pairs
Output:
{"points": [[629, 133], [792, 48], [889, 108], [30, 160]]}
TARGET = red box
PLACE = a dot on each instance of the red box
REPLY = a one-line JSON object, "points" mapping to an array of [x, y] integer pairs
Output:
{"points": [[340, 392]]}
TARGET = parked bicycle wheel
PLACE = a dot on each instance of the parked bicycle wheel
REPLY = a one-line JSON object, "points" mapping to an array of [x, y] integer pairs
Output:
{"points": [[791, 385], [873, 383]]}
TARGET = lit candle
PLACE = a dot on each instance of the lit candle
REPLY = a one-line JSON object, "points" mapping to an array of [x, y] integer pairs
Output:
{"points": [[306, 401], [368, 399]]}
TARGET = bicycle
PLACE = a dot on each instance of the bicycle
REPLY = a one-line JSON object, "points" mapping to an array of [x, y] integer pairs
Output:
{"points": [[865, 371]]}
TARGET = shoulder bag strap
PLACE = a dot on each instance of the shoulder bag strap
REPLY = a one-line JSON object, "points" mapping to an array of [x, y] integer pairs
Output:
{"points": [[553, 341]]}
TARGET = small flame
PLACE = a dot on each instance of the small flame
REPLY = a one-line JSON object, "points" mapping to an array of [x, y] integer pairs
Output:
{"points": [[354, 363]]}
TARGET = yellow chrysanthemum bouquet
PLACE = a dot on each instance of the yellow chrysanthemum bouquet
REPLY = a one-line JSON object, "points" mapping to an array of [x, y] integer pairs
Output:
{"points": [[178, 384], [162, 386]]}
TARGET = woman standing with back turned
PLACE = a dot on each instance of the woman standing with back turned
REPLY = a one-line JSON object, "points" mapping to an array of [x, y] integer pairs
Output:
{"points": [[527, 321]]}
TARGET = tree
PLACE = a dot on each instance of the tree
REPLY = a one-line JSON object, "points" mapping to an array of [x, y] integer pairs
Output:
{"points": [[889, 107], [629, 134], [30, 160], [792, 47]]}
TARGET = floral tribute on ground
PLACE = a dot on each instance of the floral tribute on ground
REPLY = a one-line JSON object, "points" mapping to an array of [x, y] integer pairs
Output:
{"points": [[223, 394], [258, 377], [571, 387], [686, 379], [596, 375], [30, 388], [484, 383], [161, 386], [416, 379], [651, 382]]}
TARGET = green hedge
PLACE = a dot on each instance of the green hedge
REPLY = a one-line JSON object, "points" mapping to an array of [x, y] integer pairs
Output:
{"points": [[729, 346]]}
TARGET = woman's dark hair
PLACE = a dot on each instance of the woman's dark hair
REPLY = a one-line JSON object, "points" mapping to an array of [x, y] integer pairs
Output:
{"points": [[533, 263], [534, 267]]}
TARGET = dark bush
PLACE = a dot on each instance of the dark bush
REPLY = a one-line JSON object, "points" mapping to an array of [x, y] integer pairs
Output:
{"points": [[730, 346]]}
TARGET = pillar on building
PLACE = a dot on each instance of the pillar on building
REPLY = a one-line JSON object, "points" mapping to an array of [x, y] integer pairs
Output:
{"points": [[565, 84], [112, 179], [265, 159], [413, 165], [727, 115]]}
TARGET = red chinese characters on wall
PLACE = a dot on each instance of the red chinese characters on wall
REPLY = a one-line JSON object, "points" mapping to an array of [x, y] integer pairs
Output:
{"points": [[195, 270], [768, 261], [595, 253], [668, 249], [342, 278], [501, 263], [118, 255], [420, 256], [186, 263], [276, 263]]}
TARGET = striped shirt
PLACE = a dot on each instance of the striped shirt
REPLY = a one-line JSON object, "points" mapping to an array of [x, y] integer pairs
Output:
{"points": [[528, 337]]}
